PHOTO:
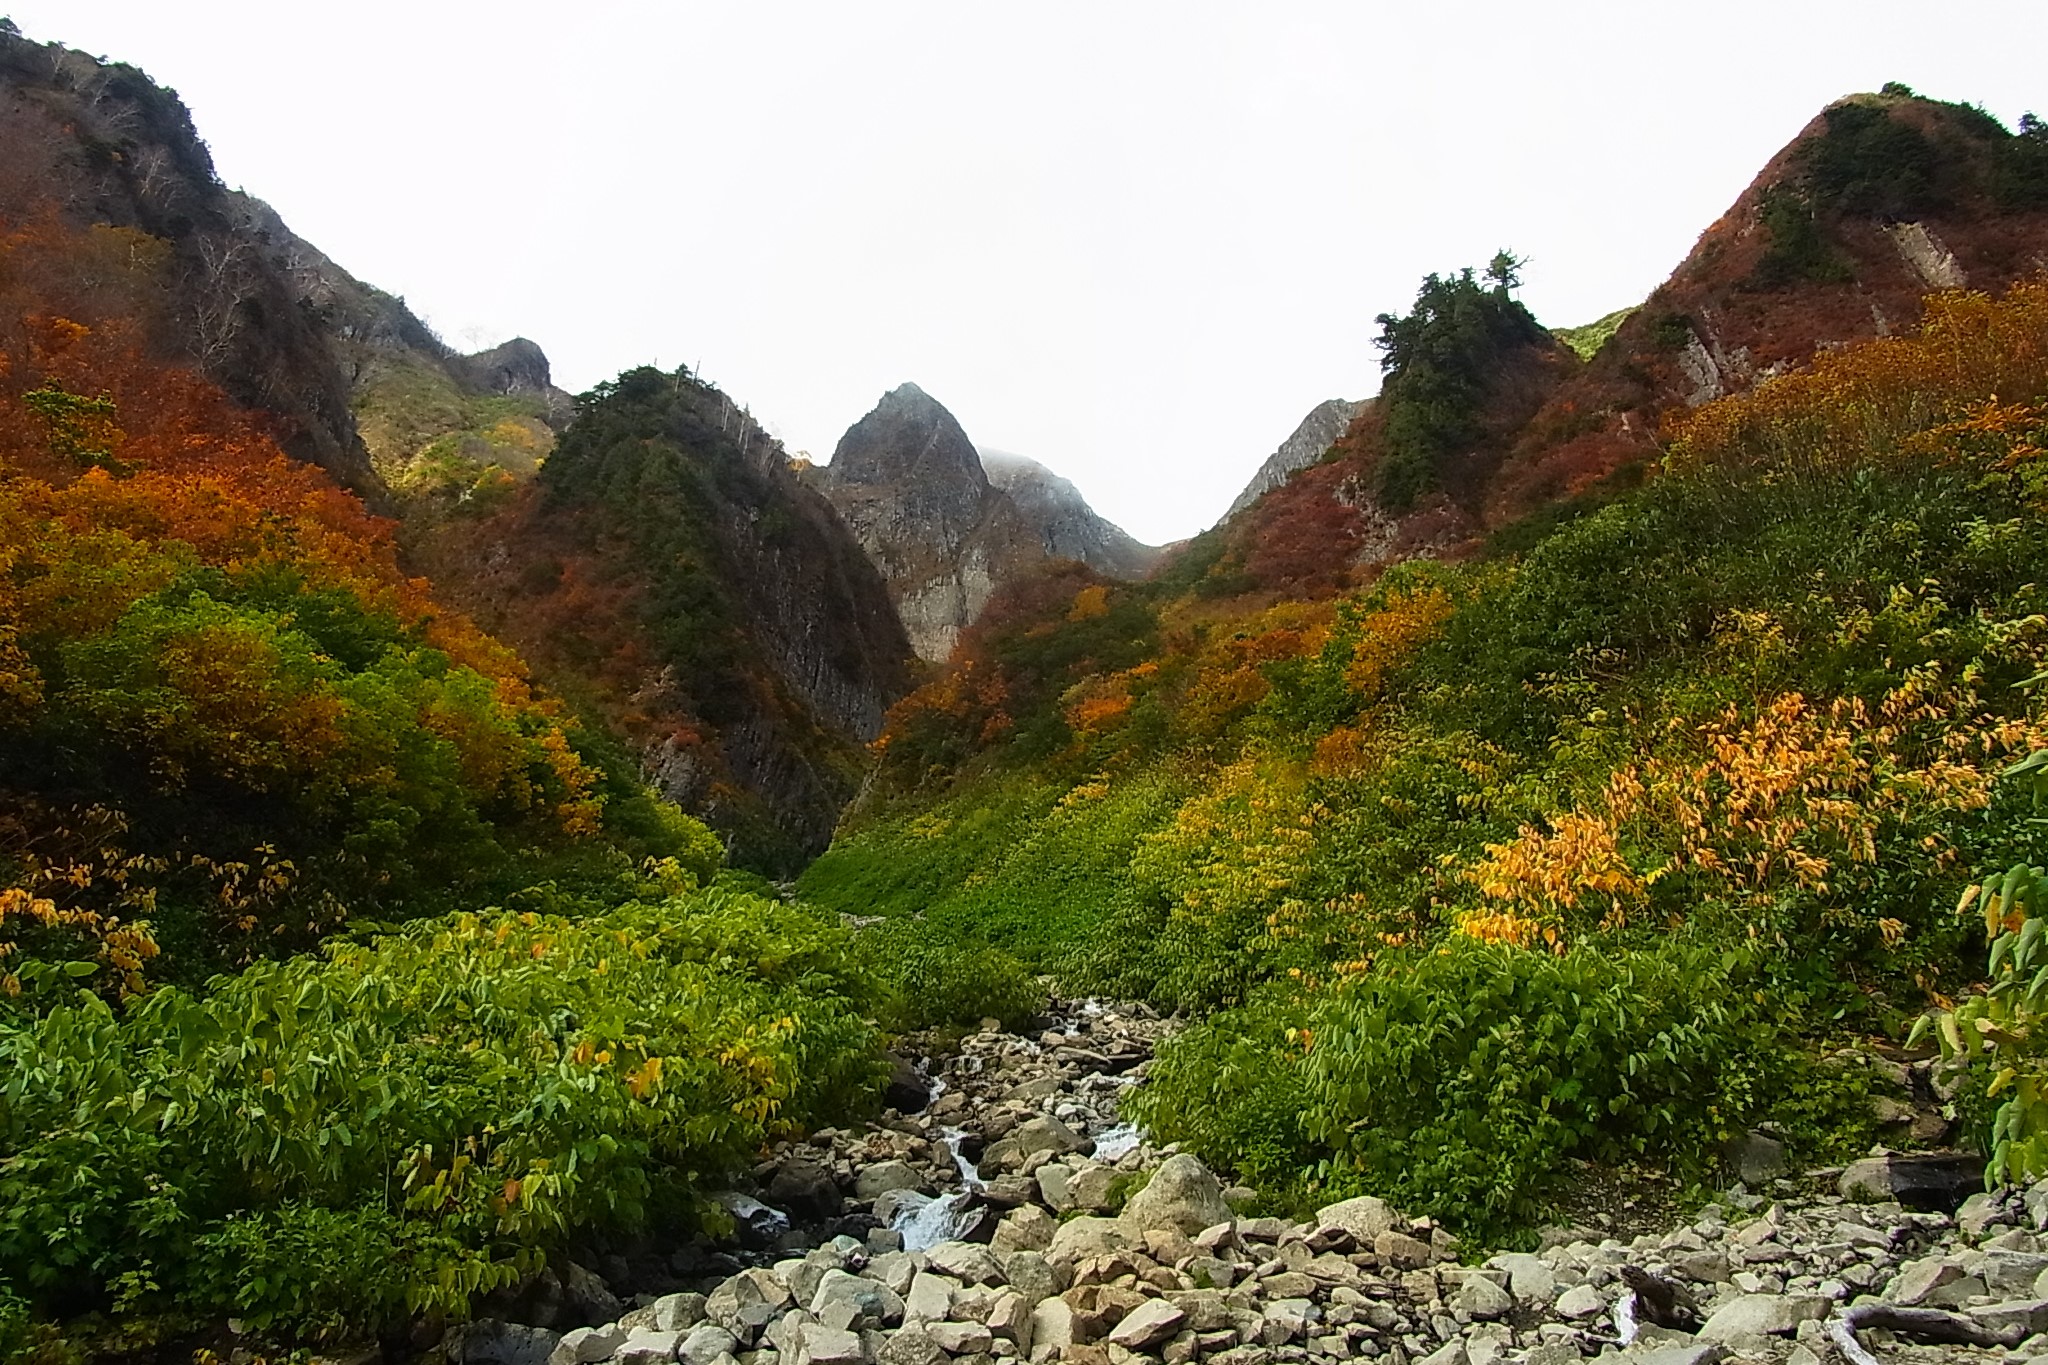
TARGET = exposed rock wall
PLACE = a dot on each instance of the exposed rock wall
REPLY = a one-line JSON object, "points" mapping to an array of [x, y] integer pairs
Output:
{"points": [[916, 494], [1318, 431]]}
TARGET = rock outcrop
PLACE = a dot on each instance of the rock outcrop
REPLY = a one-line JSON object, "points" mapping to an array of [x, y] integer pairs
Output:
{"points": [[1325, 423], [944, 533]]}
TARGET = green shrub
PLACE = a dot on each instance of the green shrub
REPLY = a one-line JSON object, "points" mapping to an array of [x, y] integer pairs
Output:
{"points": [[1463, 1081], [468, 1093], [932, 979]]}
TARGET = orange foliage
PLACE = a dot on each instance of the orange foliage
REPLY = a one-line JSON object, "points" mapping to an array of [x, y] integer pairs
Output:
{"points": [[1387, 637], [1872, 399]]}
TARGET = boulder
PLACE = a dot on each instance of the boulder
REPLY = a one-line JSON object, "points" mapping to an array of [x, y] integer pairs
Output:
{"points": [[966, 1262], [911, 1346], [648, 1346], [1078, 1238], [806, 1189], [883, 1176], [1147, 1325], [1482, 1299], [908, 1090], [961, 1338], [866, 1298], [930, 1298], [705, 1343], [678, 1312], [587, 1345], [1029, 1228], [491, 1342], [1579, 1302], [2017, 1318], [1365, 1218], [1052, 1325], [1937, 1182], [1182, 1195], [818, 1344], [1752, 1315]]}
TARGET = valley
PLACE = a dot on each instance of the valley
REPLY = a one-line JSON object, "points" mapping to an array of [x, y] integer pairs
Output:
{"points": [[497, 876]]}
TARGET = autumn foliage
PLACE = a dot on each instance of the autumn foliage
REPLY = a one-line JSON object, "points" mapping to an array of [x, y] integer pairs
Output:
{"points": [[225, 707]]}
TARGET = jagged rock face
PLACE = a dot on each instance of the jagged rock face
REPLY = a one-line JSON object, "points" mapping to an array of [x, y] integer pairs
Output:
{"points": [[915, 493], [375, 339], [1318, 431], [100, 143], [1067, 526], [671, 570]]}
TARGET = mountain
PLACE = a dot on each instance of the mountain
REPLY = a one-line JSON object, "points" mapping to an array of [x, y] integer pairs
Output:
{"points": [[1068, 527], [1879, 199], [944, 533], [99, 145], [670, 573], [742, 673], [1318, 431]]}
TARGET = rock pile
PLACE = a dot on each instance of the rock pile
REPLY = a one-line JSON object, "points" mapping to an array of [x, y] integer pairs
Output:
{"points": [[1058, 1247]]}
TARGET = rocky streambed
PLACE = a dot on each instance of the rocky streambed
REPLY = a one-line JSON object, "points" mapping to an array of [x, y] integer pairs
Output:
{"points": [[1002, 1211]]}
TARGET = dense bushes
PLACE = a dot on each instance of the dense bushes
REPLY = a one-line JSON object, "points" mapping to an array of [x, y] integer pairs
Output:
{"points": [[1467, 1080], [432, 1107]]}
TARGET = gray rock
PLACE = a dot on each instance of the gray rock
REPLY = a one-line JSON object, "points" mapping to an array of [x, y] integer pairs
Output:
{"points": [[1147, 1325], [1451, 1352], [1530, 1280], [1483, 1299], [1699, 1353], [1751, 1315], [967, 1262], [1079, 1238], [1579, 1302], [1052, 1325], [1089, 1187], [1288, 1320], [930, 1298], [2028, 1316], [806, 1189], [822, 1345], [1399, 1250], [1053, 1187], [648, 1346], [678, 1312], [911, 1346], [490, 1342], [1029, 1228], [590, 1298], [879, 1179], [893, 1268], [1183, 1195], [705, 1343], [1031, 1275], [1009, 1318], [1756, 1158], [866, 1298], [587, 1345], [1365, 1218], [961, 1338]]}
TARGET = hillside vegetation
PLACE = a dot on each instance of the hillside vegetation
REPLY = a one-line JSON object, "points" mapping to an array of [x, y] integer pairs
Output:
{"points": [[1711, 762]]}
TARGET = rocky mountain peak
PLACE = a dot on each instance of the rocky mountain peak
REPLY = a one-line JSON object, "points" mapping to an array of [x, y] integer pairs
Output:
{"points": [[910, 438]]}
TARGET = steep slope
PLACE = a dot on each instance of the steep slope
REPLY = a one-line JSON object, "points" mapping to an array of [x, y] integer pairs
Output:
{"points": [[1318, 431], [945, 536], [1067, 526], [668, 571], [99, 143], [439, 426], [1877, 201]]}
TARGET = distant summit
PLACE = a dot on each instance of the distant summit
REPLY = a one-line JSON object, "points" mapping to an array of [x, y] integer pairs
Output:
{"points": [[1068, 526], [944, 533]]}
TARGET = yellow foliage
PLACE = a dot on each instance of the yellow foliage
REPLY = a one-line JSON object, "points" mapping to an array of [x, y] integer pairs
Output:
{"points": [[1089, 603], [1387, 637]]}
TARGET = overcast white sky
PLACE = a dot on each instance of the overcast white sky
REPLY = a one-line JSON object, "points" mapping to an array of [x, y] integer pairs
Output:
{"points": [[1136, 241]]}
